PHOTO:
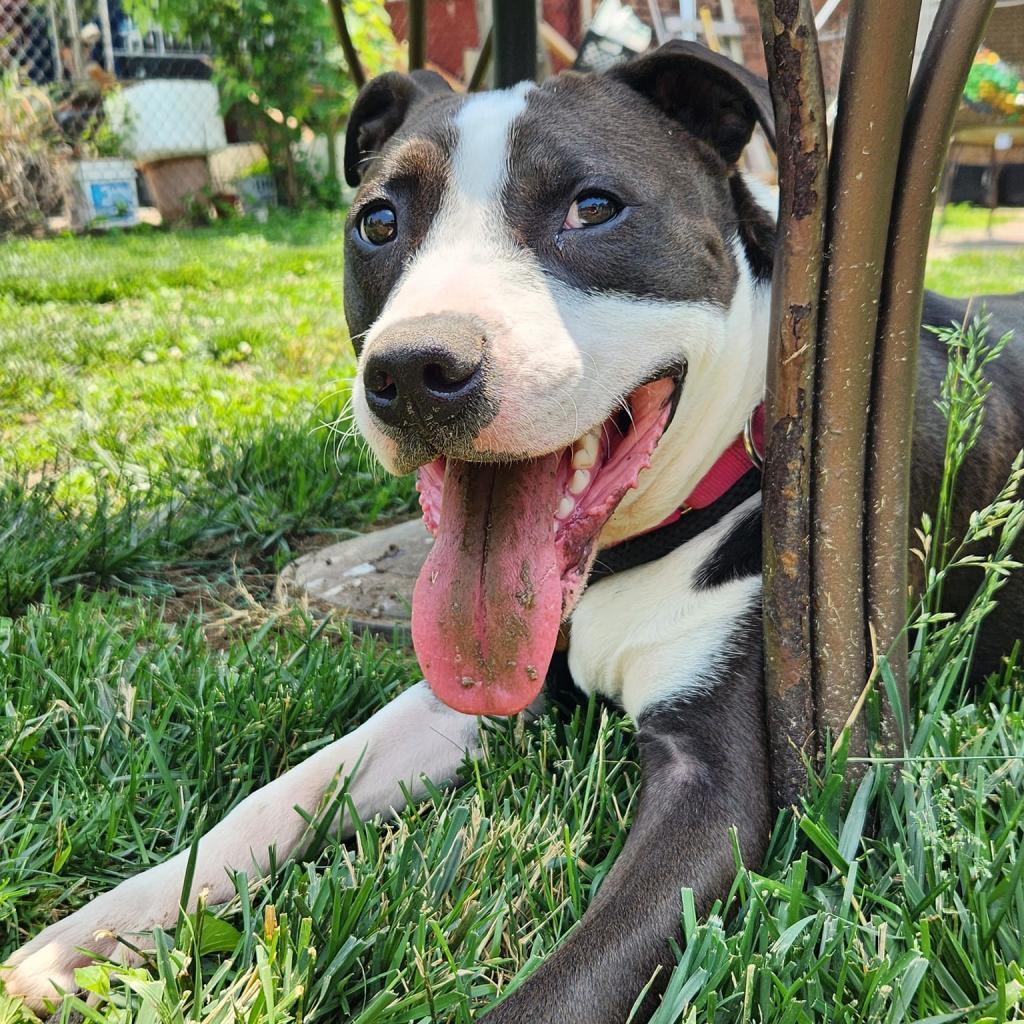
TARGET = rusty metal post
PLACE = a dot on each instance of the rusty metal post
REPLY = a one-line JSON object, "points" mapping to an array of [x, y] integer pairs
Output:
{"points": [[355, 65], [416, 33], [934, 98], [794, 71], [865, 151]]}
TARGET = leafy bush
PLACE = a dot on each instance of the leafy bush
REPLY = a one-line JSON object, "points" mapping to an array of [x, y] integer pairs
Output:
{"points": [[32, 180]]}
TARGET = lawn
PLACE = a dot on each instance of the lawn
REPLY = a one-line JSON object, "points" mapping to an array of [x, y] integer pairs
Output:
{"points": [[172, 418], [204, 373]]}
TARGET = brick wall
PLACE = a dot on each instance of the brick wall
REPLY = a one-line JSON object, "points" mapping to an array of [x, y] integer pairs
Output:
{"points": [[753, 50]]}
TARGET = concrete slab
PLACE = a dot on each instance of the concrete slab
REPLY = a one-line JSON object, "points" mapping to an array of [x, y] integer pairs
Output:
{"points": [[369, 577]]}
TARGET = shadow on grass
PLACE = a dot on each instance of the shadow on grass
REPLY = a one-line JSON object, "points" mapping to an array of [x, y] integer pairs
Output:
{"points": [[247, 504]]}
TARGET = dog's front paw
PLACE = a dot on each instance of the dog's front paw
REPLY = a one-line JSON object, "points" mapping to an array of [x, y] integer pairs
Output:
{"points": [[43, 969]]}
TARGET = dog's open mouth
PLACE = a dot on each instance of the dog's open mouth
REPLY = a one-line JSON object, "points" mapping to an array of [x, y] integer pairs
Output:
{"points": [[514, 544]]}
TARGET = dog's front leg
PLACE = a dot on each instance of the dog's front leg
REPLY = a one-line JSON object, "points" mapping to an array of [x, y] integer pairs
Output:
{"points": [[704, 768], [413, 737]]}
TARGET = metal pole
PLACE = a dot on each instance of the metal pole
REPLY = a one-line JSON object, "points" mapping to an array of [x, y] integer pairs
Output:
{"points": [[515, 42], [416, 33], [862, 173], [688, 15], [108, 35], [75, 40], [934, 99], [794, 71], [58, 63], [355, 66], [827, 10], [483, 62]]}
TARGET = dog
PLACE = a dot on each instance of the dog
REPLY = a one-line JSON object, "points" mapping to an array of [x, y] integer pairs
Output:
{"points": [[559, 298]]}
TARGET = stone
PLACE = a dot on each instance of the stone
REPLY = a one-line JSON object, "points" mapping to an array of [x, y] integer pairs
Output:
{"points": [[370, 578]]}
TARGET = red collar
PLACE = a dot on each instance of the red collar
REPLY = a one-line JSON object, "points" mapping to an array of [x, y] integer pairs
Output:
{"points": [[745, 453]]}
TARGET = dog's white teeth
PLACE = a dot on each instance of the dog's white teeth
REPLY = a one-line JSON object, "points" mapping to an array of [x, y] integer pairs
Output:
{"points": [[585, 454], [580, 482]]}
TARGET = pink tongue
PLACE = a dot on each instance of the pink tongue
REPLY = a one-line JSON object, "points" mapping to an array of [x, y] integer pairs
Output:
{"points": [[488, 601]]}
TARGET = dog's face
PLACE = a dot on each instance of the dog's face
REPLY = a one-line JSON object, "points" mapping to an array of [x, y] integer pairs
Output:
{"points": [[538, 282]]}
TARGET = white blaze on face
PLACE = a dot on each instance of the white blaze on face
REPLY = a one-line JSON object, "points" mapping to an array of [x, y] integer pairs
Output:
{"points": [[466, 263], [480, 162], [462, 264]]}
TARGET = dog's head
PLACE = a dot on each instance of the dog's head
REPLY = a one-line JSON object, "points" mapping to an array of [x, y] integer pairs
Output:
{"points": [[550, 289]]}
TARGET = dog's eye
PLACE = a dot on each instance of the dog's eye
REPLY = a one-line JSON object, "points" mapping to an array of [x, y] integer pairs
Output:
{"points": [[378, 225], [591, 209]]}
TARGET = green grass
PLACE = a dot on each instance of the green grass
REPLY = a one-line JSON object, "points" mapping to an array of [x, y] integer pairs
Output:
{"points": [[117, 348], [168, 400], [161, 442], [967, 217], [979, 272]]}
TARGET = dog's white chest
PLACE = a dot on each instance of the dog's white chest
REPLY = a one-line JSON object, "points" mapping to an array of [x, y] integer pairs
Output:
{"points": [[650, 633]]}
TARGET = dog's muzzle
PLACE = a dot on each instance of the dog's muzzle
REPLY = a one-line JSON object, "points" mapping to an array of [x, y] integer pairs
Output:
{"points": [[426, 380]]}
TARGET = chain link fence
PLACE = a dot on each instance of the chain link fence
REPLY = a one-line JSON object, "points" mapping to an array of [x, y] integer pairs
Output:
{"points": [[104, 124], [114, 123]]}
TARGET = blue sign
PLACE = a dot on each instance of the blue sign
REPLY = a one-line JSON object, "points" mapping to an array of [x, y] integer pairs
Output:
{"points": [[113, 200]]}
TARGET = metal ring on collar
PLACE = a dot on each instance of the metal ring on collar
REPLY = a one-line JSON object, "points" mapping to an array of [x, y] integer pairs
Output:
{"points": [[756, 457]]}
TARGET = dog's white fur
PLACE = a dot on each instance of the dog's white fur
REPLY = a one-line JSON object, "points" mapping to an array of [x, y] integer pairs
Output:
{"points": [[563, 359], [566, 360], [660, 649]]}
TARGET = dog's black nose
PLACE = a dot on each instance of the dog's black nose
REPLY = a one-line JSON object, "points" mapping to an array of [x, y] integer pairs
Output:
{"points": [[427, 370]]}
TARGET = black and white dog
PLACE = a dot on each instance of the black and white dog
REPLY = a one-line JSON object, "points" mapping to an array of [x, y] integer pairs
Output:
{"points": [[560, 302]]}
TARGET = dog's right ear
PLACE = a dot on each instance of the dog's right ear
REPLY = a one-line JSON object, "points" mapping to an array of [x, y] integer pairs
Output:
{"points": [[380, 108]]}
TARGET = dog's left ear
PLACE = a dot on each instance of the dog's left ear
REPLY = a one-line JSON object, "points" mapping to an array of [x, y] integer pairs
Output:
{"points": [[378, 112], [712, 97]]}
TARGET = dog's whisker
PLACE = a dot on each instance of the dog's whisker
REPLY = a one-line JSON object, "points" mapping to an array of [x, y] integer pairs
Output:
{"points": [[618, 398]]}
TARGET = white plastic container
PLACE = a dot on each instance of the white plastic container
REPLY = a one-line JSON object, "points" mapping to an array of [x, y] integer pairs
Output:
{"points": [[163, 118], [103, 194]]}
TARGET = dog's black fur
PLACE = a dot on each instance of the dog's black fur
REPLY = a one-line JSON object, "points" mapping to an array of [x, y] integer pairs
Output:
{"points": [[704, 760]]}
